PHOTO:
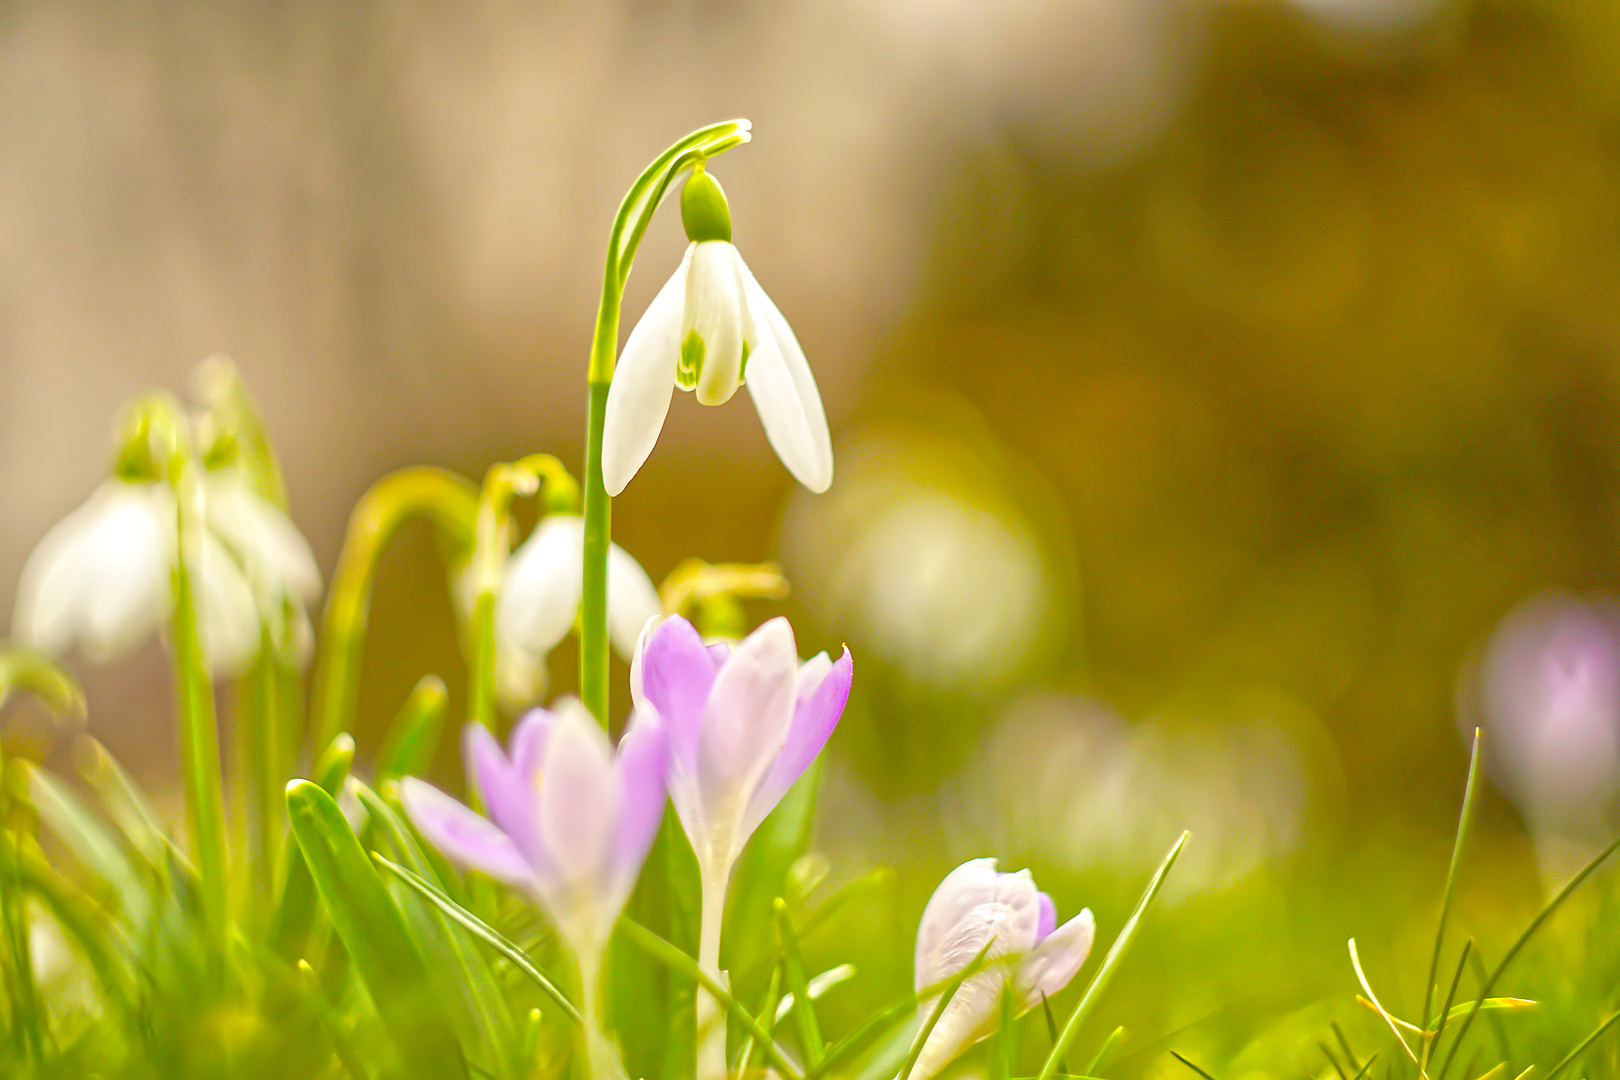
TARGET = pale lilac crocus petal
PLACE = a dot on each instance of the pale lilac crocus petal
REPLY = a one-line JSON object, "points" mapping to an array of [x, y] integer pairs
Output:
{"points": [[528, 743], [638, 697], [785, 394], [579, 801], [969, 1017], [643, 382], [642, 765], [814, 717], [508, 795], [632, 600], [968, 886], [719, 652], [462, 835], [1048, 919], [749, 714], [1053, 962], [677, 675]]}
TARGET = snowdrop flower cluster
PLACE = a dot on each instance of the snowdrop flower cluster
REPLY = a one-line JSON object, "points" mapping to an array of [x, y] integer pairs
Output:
{"points": [[712, 329], [100, 578], [973, 907], [539, 598]]}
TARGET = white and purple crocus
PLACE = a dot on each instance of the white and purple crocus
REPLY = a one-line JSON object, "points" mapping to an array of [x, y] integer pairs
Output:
{"points": [[570, 820], [744, 722], [974, 906]]}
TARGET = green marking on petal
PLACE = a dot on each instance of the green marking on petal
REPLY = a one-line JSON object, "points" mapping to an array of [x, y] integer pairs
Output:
{"points": [[742, 369], [691, 362]]}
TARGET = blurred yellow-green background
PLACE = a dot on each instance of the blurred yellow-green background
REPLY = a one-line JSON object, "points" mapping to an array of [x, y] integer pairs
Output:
{"points": [[1209, 382]]}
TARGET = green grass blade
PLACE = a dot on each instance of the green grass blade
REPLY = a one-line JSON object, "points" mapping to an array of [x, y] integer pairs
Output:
{"points": [[938, 1011], [1464, 819], [804, 1010], [1005, 1053], [767, 1020], [484, 1009], [1344, 1044], [676, 960], [1535, 924], [90, 841], [1201, 1072], [414, 736], [374, 933], [1104, 1050], [295, 906], [1373, 1003], [1366, 1067], [1438, 1025], [1568, 1059], [1099, 981], [483, 931]]}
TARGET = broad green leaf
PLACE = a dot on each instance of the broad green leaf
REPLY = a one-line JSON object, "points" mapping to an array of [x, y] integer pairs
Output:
{"points": [[414, 735], [374, 934]]}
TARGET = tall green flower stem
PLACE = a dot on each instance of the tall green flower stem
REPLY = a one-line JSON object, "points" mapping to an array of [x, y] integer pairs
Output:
{"points": [[451, 503], [156, 431], [629, 226], [493, 539]]}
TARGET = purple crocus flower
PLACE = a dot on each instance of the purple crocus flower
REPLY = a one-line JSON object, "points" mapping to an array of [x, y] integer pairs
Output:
{"points": [[569, 821], [744, 723], [1037, 956]]}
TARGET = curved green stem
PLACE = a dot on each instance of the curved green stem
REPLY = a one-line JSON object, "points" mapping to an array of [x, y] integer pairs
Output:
{"points": [[451, 502], [629, 226]]}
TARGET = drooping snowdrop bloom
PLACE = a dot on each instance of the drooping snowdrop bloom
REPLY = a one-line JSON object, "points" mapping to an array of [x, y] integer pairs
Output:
{"points": [[972, 906], [569, 820], [101, 578], [711, 329], [744, 724], [539, 598], [264, 544]]}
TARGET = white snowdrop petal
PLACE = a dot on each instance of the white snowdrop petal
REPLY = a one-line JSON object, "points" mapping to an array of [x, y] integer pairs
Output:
{"points": [[227, 614], [50, 590], [544, 580], [643, 382], [716, 311], [125, 569], [785, 394], [632, 599]]}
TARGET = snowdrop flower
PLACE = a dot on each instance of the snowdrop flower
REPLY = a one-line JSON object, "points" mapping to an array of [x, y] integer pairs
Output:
{"points": [[972, 906], [569, 820], [539, 598], [101, 576], [744, 724], [711, 329]]}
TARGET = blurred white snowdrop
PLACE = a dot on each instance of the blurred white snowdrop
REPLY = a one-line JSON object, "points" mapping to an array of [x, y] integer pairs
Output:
{"points": [[538, 602], [1548, 700], [711, 329], [1244, 783], [924, 559], [101, 578]]}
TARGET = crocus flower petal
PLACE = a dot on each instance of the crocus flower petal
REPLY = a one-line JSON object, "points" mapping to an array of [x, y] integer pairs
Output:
{"points": [[749, 713], [579, 804], [1052, 963], [719, 652], [509, 796], [785, 394], [541, 589], [969, 1017], [632, 599], [1048, 920], [822, 691], [677, 675], [462, 835], [716, 312], [528, 743], [971, 885], [643, 382], [643, 766]]}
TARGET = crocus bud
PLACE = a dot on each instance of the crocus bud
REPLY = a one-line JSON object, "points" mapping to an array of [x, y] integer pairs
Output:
{"points": [[570, 820], [973, 907]]}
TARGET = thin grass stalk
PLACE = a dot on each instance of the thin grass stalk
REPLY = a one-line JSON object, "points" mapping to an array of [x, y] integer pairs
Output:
{"points": [[1099, 981], [1535, 924], [1464, 819]]}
